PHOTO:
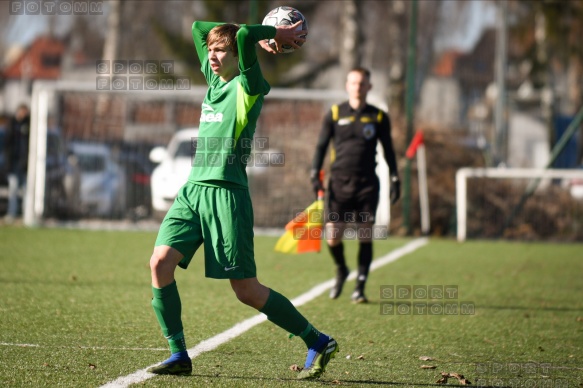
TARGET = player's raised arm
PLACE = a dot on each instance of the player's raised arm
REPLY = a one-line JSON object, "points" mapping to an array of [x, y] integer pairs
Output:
{"points": [[247, 37]]}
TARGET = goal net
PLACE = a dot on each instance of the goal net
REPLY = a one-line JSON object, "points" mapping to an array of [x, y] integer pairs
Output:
{"points": [[517, 203], [89, 157]]}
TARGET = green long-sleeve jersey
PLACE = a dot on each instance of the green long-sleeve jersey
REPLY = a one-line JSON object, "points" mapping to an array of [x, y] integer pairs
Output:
{"points": [[230, 109]]}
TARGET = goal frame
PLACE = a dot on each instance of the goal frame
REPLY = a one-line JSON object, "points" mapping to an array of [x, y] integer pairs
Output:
{"points": [[43, 91], [464, 173]]}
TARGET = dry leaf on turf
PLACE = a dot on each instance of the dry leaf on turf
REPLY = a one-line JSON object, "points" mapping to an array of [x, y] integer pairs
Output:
{"points": [[428, 367], [91, 366], [461, 379], [296, 368], [425, 358], [443, 379], [361, 357]]}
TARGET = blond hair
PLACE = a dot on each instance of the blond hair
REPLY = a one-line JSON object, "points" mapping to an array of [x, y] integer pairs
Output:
{"points": [[224, 34]]}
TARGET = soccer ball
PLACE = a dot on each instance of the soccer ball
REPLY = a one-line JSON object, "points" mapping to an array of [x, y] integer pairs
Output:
{"points": [[285, 16]]}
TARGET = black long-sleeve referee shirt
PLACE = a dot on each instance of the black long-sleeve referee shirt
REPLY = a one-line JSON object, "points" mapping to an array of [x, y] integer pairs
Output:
{"points": [[354, 135]]}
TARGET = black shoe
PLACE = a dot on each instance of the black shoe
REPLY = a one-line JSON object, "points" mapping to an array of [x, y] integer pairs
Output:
{"points": [[341, 275], [358, 297]]}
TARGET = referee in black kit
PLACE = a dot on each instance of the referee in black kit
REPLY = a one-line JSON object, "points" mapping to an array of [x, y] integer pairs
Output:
{"points": [[354, 127]]}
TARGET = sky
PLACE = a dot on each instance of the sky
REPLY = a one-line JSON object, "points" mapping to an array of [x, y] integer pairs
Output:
{"points": [[22, 29], [461, 30]]}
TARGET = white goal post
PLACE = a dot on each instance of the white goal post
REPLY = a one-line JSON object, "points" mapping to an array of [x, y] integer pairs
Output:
{"points": [[43, 94], [463, 174], [45, 103]]}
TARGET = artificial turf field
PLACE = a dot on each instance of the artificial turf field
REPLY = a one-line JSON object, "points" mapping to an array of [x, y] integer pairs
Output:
{"points": [[75, 312]]}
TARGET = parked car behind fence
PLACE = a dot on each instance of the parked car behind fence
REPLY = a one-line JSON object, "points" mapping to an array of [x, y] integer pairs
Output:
{"points": [[103, 181], [175, 162]]}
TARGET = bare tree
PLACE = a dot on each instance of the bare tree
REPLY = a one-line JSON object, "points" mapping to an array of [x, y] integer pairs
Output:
{"points": [[351, 52], [110, 49]]}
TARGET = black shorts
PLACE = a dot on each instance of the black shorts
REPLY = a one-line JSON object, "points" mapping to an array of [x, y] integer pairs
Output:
{"points": [[352, 199]]}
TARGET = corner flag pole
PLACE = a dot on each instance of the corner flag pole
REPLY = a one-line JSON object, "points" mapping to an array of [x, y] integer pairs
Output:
{"points": [[417, 147]]}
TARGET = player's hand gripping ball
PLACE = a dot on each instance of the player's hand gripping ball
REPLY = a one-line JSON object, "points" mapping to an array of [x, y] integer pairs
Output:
{"points": [[285, 16]]}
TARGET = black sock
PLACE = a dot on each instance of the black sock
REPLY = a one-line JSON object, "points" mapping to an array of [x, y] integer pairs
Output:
{"points": [[337, 252], [364, 261]]}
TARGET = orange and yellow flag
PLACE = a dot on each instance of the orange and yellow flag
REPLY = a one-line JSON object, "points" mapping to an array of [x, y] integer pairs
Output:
{"points": [[304, 233]]}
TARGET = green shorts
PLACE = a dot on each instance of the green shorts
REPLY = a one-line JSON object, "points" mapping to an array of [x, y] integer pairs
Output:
{"points": [[221, 219]]}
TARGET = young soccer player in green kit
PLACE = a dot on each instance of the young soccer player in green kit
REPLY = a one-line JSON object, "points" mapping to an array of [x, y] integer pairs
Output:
{"points": [[214, 208]]}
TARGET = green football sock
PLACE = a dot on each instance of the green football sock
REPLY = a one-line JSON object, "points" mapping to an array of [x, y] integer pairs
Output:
{"points": [[168, 309], [283, 313], [310, 335]]}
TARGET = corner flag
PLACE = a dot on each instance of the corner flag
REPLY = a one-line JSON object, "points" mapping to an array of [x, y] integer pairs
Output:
{"points": [[304, 233]]}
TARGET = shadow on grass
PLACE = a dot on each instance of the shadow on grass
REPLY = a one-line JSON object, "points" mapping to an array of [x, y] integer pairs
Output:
{"points": [[335, 382], [77, 281], [552, 308]]}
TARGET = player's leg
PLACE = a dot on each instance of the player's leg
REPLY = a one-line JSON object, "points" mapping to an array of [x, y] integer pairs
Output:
{"points": [[280, 311], [168, 309], [229, 253], [163, 263], [339, 196], [177, 240], [367, 198], [277, 307], [365, 254], [334, 233]]}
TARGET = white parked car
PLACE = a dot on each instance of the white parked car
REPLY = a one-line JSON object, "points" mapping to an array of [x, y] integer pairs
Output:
{"points": [[175, 162], [102, 187]]}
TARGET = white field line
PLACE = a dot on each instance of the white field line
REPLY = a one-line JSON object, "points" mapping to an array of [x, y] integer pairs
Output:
{"points": [[20, 345], [80, 347], [241, 327]]}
